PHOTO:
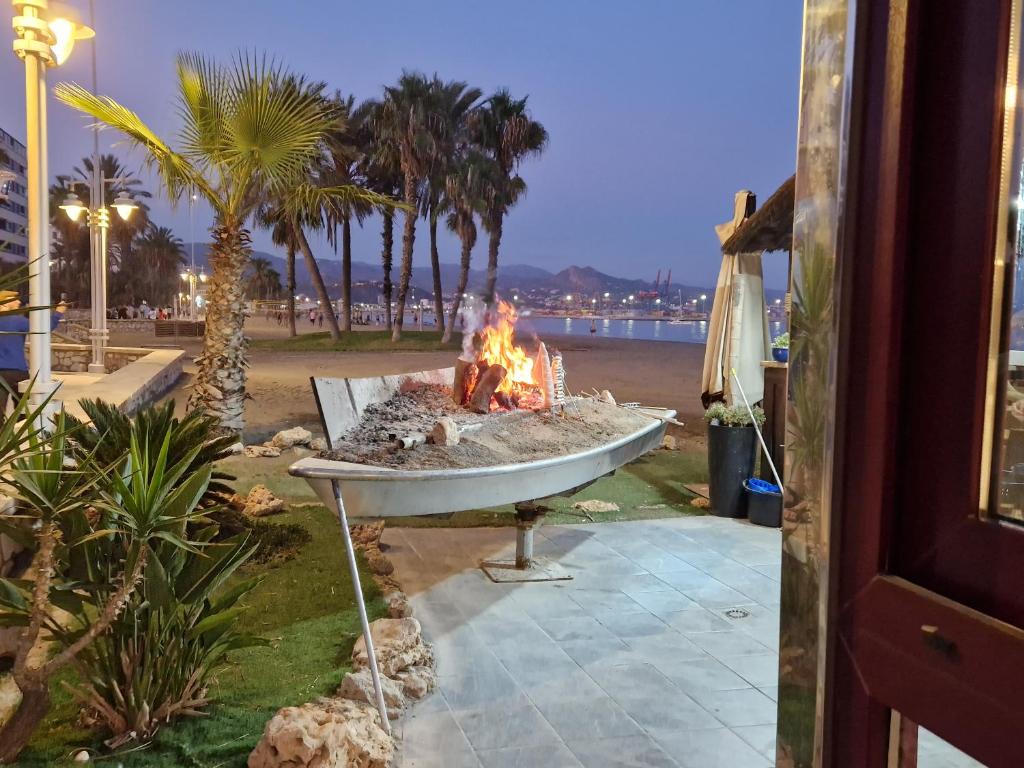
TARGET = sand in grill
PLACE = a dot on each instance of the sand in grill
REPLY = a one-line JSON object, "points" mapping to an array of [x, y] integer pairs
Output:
{"points": [[505, 437]]}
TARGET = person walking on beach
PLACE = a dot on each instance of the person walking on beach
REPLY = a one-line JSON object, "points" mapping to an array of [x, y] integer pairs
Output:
{"points": [[593, 326], [312, 316], [320, 319], [13, 366]]}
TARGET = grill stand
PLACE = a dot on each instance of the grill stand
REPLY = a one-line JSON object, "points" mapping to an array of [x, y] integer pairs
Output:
{"points": [[526, 567], [353, 570]]}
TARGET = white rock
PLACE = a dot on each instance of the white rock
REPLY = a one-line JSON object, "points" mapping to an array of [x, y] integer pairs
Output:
{"points": [[291, 437], [328, 733], [358, 686], [445, 432], [594, 505], [318, 444], [606, 397], [262, 502], [262, 451], [81, 756], [398, 605], [669, 443], [416, 682], [237, 448], [399, 645]]}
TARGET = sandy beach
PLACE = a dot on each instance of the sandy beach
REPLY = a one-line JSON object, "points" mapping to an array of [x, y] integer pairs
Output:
{"points": [[650, 372]]}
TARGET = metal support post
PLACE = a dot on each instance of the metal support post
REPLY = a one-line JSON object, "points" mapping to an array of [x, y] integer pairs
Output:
{"points": [[361, 603]]}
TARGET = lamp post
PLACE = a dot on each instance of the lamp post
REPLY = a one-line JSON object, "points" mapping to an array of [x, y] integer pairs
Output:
{"points": [[703, 298], [45, 33], [189, 276], [99, 224]]}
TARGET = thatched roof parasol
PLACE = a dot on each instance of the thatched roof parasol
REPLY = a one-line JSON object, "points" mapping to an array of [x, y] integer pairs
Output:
{"points": [[770, 227]]}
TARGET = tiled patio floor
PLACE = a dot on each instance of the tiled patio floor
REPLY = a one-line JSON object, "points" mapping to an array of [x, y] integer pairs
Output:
{"points": [[633, 663]]}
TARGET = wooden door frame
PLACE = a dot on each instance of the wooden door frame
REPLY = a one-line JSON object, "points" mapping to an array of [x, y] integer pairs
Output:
{"points": [[908, 426]]}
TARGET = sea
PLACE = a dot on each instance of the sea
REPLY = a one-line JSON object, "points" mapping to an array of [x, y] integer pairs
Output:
{"points": [[689, 331]]}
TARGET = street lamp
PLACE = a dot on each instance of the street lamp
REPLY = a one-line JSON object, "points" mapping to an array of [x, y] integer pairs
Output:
{"points": [[99, 224], [45, 33], [703, 297], [189, 276]]}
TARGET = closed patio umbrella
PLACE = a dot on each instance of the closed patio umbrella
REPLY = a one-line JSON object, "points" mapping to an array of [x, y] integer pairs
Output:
{"points": [[738, 334]]}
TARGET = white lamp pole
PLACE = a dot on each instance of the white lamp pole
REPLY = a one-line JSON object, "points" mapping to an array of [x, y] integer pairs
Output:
{"points": [[42, 39], [99, 225]]}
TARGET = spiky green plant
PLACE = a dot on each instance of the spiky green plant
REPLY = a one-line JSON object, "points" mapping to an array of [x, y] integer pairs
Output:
{"points": [[108, 433]]}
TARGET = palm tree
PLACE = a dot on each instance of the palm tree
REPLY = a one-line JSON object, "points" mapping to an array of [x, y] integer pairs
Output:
{"points": [[466, 192], [407, 120], [161, 253], [451, 102], [346, 146], [383, 173], [505, 131], [264, 281], [277, 220], [250, 130]]}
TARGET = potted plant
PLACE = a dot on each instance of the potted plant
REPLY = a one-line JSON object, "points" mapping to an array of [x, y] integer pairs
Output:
{"points": [[780, 348], [731, 450]]}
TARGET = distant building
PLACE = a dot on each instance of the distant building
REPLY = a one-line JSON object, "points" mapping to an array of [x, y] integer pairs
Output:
{"points": [[13, 245]]}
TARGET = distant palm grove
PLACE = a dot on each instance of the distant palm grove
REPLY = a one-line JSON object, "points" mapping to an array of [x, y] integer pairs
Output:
{"points": [[269, 148]]}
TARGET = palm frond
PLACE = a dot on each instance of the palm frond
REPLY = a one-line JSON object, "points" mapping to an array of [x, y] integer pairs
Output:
{"points": [[177, 173]]}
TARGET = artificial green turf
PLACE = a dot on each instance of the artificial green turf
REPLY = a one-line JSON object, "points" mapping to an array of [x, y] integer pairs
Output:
{"points": [[360, 341], [305, 607]]}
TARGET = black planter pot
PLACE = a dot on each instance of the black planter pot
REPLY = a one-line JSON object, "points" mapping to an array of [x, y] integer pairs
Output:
{"points": [[730, 462]]}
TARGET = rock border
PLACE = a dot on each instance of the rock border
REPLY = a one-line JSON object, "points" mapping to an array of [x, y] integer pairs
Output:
{"points": [[345, 729]]}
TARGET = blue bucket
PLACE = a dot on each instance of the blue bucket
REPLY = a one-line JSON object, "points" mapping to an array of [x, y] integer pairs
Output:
{"points": [[764, 502]]}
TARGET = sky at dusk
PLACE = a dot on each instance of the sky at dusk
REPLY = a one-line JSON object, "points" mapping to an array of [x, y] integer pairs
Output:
{"points": [[658, 110]]}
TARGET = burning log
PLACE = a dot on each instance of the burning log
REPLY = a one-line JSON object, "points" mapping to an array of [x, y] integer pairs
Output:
{"points": [[486, 385], [466, 375]]}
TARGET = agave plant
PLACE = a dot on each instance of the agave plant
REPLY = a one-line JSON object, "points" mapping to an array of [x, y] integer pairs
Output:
{"points": [[127, 551], [108, 433]]}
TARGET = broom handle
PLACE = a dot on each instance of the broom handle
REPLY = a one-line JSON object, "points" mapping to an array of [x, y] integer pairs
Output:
{"points": [[767, 453]]}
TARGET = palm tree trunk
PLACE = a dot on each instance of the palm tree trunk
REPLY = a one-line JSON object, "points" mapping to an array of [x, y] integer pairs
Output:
{"points": [[219, 385], [408, 238], [467, 251], [318, 283], [492, 257], [290, 279], [387, 237], [435, 265], [18, 730], [346, 273]]}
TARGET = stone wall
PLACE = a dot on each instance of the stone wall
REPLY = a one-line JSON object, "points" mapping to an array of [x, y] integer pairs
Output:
{"points": [[78, 327], [76, 357]]}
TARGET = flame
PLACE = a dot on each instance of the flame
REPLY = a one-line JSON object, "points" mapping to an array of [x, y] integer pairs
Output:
{"points": [[497, 348]]}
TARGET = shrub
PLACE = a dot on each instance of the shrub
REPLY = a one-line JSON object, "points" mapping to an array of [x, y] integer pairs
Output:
{"points": [[724, 415], [781, 341]]}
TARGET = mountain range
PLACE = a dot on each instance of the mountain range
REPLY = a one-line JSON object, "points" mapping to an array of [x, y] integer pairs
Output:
{"points": [[512, 278]]}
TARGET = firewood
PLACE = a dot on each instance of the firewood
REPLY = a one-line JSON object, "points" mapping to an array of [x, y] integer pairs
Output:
{"points": [[485, 387], [465, 377]]}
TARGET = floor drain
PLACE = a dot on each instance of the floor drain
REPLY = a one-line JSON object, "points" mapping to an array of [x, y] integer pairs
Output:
{"points": [[737, 613]]}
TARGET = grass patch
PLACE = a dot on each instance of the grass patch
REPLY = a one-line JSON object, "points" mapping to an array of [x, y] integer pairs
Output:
{"points": [[360, 341], [649, 488], [305, 607]]}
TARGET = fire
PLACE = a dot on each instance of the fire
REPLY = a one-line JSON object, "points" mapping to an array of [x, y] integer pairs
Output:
{"points": [[497, 348]]}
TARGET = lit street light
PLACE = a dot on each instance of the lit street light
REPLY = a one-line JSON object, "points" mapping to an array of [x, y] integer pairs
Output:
{"points": [[99, 223], [41, 39], [189, 276], [703, 296]]}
